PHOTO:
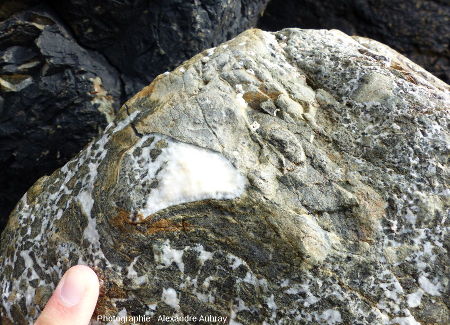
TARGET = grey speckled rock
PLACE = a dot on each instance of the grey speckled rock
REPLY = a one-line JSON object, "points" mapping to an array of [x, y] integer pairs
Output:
{"points": [[299, 177], [419, 29]]}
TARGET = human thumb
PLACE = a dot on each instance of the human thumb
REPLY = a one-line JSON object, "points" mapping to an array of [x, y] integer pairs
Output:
{"points": [[73, 300]]}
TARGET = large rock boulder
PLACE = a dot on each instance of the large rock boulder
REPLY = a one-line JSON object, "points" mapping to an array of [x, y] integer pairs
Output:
{"points": [[280, 178], [416, 28], [63, 72]]}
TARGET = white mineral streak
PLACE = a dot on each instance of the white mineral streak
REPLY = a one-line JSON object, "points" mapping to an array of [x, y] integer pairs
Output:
{"points": [[169, 296], [186, 173], [254, 126], [415, 298], [122, 314], [330, 316], [271, 302], [167, 255], [95, 154], [409, 320], [133, 275], [54, 210], [429, 287], [235, 261], [203, 254], [130, 269]]}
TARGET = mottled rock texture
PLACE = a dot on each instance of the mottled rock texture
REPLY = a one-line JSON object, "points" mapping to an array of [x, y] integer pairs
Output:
{"points": [[327, 201], [64, 64], [419, 29]]}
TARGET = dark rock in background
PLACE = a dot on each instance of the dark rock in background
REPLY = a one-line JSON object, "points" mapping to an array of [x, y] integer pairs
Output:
{"points": [[145, 38], [53, 100], [9, 7], [418, 29], [63, 67]]}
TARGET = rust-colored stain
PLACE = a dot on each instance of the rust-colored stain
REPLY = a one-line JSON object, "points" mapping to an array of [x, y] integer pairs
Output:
{"points": [[108, 290], [269, 93], [127, 222], [146, 91], [372, 203], [6, 321], [104, 307], [405, 73], [370, 209], [167, 225], [255, 98], [101, 279], [137, 217], [121, 219]]}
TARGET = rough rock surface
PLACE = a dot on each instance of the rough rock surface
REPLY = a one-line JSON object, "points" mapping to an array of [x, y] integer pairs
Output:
{"points": [[53, 100], [324, 200], [59, 76], [416, 28]]}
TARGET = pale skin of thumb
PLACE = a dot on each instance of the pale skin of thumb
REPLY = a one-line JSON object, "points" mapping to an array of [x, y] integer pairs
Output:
{"points": [[73, 300]]}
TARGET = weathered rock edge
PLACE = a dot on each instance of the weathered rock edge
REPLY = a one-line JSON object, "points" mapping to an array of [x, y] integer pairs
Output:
{"points": [[344, 145], [418, 29]]}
